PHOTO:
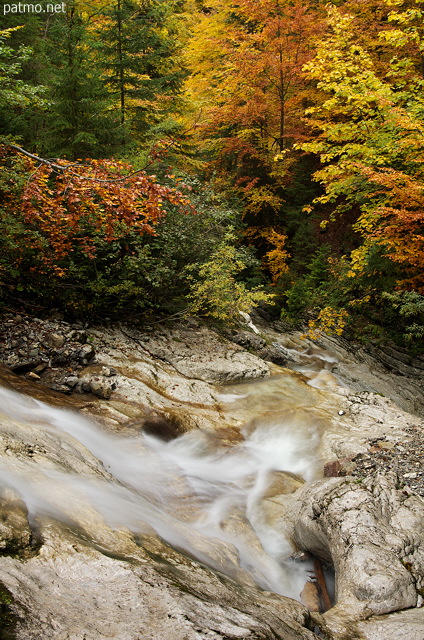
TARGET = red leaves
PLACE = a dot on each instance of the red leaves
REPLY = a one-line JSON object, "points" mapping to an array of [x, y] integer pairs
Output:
{"points": [[401, 220], [72, 206]]}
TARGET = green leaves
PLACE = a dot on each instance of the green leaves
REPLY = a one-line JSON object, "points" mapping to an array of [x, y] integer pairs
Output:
{"points": [[15, 93], [217, 293]]}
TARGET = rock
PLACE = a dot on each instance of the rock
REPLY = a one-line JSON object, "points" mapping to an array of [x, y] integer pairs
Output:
{"points": [[101, 388], [24, 365], [32, 376], [40, 368], [248, 340], [56, 340], [202, 354], [87, 353], [310, 596], [338, 468], [404, 625], [88, 579], [109, 371], [71, 381], [61, 388], [282, 482], [15, 532], [162, 426], [333, 469], [372, 533], [272, 354]]}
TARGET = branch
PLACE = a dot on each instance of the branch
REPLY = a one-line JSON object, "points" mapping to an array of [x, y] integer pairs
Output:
{"points": [[58, 168]]}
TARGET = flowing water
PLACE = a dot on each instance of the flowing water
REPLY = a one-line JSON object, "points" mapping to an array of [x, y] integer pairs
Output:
{"points": [[197, 494]]}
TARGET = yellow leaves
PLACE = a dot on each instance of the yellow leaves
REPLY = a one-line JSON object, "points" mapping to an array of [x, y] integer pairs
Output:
{"points": [[258, 197], [275, 259], [358, 261], [358, 302], [329, 320], [217, 293]]}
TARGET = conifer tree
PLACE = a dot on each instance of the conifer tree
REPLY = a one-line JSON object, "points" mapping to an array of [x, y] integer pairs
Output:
{"points": [[139, 48], [81, 121]]}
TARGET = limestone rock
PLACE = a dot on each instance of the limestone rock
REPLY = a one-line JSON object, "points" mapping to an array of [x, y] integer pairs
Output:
{"points": [[248, 340], [372, 533], [15, 532], [404, 625], [272, 354], [204, 355]]}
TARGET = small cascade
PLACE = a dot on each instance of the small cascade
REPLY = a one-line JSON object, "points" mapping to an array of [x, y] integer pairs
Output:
{"points": [[199, 495]]}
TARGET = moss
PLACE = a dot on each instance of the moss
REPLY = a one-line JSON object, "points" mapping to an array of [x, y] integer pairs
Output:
{"points": [[8, 617]]}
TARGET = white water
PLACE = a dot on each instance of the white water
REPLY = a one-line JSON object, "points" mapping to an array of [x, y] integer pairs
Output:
{"points": [[189, 491]]}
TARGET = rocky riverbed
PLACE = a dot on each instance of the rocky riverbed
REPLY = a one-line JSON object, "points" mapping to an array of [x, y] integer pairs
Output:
{"points": [[365, 520]]}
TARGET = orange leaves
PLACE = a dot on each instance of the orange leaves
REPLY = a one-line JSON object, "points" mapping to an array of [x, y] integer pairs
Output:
{"points": [[400, 215], [72, 207], [251, 79], [276, 256]]}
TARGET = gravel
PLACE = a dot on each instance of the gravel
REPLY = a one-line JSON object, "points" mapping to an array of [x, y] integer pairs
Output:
{"points": [[406, 458]]}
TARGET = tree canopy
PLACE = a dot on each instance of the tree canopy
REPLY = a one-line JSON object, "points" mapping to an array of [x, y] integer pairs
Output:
{"points": [[270, 149]]}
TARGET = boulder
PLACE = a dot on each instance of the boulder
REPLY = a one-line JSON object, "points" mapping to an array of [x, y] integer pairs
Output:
{"points": [[273, 354], [372, 533], [249, 340], [203, 354]]}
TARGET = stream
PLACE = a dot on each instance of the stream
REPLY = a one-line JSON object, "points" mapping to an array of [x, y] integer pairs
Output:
{"points": [[201, 496]]}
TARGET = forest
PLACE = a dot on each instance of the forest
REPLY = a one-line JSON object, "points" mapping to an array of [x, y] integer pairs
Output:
{"points": [[169, 157]]}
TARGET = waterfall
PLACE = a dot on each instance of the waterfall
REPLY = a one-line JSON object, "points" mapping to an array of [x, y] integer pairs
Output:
{"points": [[199, 496]]}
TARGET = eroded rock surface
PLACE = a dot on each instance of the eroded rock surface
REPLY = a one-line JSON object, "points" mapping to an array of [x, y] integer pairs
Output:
{"points": [[86, 579], [373, 535]]}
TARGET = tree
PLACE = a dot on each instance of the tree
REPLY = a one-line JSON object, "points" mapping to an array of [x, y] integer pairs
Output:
{"points": [[369, 133], [17, 97], [139, 46], [69, 229], [246, 59], [81, 122]]}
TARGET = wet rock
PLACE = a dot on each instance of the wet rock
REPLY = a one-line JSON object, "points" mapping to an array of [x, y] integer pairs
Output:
{"points": [[15, 532], [162, 426], [282, 482], [90, 579], [310, 596], [249, 340], [273, 354], [372, 533], [60, 387]]}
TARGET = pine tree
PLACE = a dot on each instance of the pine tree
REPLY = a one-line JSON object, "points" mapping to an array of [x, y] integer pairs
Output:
{"points": [[139, 48], [81, 122]]}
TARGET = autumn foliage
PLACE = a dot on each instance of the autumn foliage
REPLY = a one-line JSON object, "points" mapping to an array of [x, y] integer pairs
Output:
{"points": [[71, 207], [303, 122], [79, 227]]}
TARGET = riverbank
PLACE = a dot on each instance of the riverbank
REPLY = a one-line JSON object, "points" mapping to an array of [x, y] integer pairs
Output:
{"points": [[230, 402]]}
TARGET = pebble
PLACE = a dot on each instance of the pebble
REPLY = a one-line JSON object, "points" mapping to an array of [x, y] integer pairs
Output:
{"points": [[405, 458], [52, 352]]}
